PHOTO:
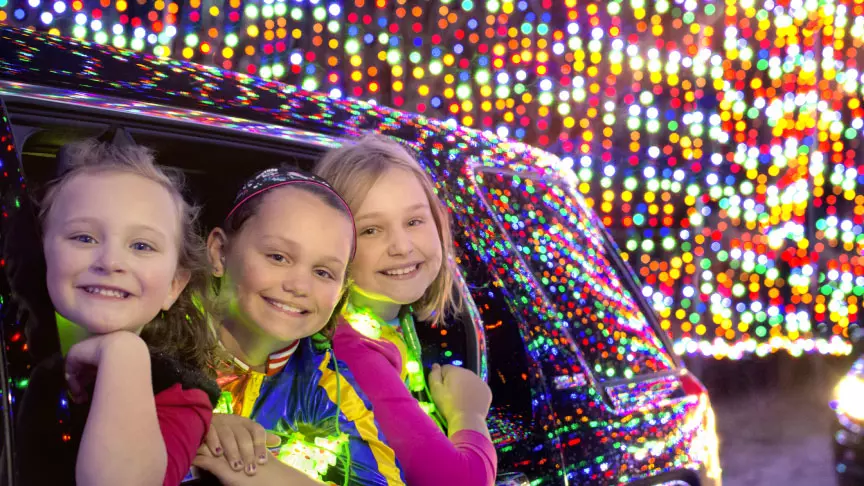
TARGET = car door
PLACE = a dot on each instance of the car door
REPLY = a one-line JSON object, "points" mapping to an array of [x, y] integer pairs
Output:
{"points": [[21, 295]]}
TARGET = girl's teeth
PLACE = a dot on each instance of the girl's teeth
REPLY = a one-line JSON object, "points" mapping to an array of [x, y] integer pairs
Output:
{"points": [[287, 308], [402, 271], [107, 292]]}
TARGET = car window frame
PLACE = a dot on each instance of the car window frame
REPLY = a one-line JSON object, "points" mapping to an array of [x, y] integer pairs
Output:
{"points": [[475, 332]]}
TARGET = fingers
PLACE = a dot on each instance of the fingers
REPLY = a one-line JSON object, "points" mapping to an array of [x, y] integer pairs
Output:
{"points": [[244, 446], [216, 465], [79, 377], [452, 375], [87, 351], [448, 372], [76, 391], [230, 449], [436, 382], [436, 377], [259, 445], [242, 442], [248, 440], [203, 450], [449, 369], [214, 445], [272, 440]]}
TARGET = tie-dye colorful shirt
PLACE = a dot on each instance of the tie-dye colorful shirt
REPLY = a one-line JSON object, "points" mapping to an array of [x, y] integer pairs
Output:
{"points": [[314, 404]]}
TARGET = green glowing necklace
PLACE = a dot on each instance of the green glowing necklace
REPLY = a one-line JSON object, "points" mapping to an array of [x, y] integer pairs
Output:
{"points": [[368, 323]]}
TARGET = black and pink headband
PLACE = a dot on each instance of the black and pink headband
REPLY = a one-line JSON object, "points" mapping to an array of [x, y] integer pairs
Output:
{"points": [[282, 176]]}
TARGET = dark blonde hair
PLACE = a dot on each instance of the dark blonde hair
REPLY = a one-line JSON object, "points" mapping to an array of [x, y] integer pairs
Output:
{"points": [[354, 168], [181, 331]]}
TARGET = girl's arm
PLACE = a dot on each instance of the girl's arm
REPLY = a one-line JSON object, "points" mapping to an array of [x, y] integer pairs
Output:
{"points": [[269, 474], [122, 442], [427, 456], [184, 417]]}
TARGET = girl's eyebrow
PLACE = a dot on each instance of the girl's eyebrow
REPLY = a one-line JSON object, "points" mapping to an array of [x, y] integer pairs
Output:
{"points": [[80, 219], [135, 228], [279, 240], [149, 229], [376, 214], [334, 260]]}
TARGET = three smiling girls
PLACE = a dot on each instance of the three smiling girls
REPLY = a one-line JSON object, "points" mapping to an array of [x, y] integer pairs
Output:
{"points": [[158, 328]]}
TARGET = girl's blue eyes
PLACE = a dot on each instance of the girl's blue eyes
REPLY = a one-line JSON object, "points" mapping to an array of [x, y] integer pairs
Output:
{"points": [[83, 239], [140, 246], [325, 274], [276, 257]]}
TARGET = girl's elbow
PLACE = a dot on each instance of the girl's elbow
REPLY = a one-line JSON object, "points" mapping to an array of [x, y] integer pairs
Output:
{"points": [[144, 473], [149, 471], [158, 468]]}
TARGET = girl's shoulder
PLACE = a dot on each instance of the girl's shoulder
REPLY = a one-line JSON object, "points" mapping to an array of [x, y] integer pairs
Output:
{"points": [[355, 347], [168, 371]]}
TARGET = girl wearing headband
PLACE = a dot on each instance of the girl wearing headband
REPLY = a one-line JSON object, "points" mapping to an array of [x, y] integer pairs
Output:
{"points": [[279, 263]]}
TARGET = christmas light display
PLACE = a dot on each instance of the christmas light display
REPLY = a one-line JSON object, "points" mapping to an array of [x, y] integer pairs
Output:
{"points": [[562, 318], [717, 140]]}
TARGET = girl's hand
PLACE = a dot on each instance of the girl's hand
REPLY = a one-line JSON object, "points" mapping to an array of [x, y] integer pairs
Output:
{"points": [[243, 442], [274, 473], [84, 358], [461, 396]]}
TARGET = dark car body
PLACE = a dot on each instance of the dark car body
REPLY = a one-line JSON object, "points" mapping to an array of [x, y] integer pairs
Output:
{"points": [[586, 388]]}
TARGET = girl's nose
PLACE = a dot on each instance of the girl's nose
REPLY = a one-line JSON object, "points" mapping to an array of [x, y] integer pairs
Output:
{"points": [[400, 244], [295, 283], [109, 260]]}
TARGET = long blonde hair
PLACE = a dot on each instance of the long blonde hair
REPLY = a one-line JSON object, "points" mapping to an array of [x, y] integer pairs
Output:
{"points": [[354, 168]]}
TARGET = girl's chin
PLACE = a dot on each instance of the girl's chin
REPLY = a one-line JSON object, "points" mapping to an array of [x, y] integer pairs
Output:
{"points": [[99, 328], [382, 297], [280, 338], [405, 299]]}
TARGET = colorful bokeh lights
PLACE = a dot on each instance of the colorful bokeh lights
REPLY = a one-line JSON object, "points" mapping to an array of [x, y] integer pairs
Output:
{"points": [[717, 140]]}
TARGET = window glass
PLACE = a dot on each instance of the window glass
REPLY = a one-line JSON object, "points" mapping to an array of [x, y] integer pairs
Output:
{"points": [[570, 262]]}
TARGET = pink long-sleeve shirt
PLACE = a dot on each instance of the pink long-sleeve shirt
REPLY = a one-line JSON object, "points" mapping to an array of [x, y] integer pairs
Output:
{"points": [[427, 456]]}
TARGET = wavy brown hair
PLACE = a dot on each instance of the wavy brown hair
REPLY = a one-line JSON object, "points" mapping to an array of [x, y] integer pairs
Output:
{"points": [[181, 331], [353, 169]]}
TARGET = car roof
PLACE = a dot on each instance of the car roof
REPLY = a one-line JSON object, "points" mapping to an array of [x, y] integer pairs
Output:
{"points": [[57, 71], [81, 76]]}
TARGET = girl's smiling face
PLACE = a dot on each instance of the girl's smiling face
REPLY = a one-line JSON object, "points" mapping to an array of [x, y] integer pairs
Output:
{"points": [[111, 249], [284, 269], [399, 251]]}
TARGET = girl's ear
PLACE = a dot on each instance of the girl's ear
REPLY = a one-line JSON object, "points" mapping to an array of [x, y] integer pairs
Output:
{"points": [[217, 243], [181, 279]]}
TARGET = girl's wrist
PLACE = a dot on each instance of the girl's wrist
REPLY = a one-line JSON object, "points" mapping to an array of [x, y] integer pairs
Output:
{"points": [[124, 345], [468, 421]]}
